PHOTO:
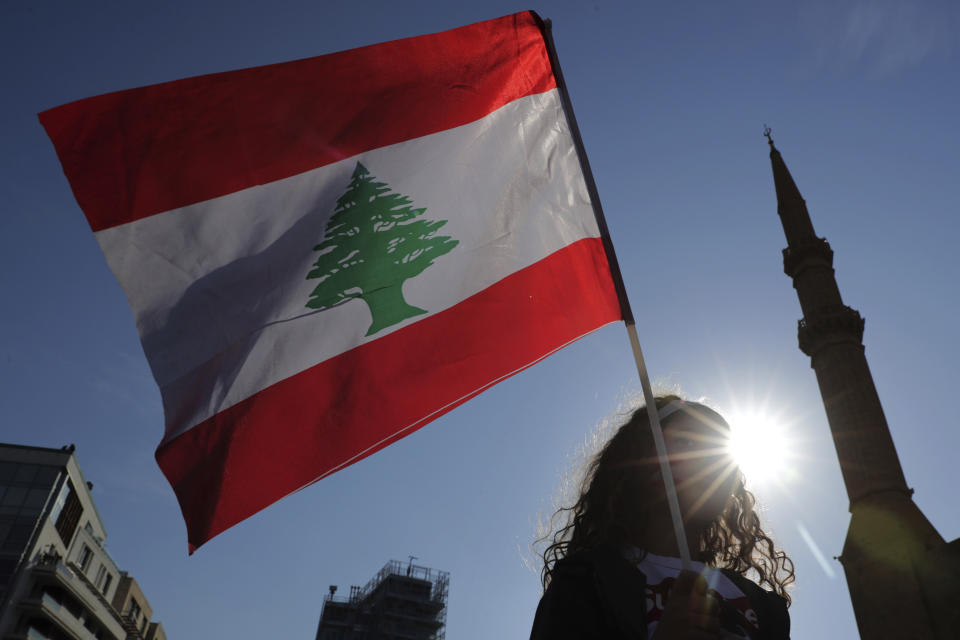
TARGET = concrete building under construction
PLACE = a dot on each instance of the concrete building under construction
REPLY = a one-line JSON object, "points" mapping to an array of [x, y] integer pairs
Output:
{"points": [[402, 602]]}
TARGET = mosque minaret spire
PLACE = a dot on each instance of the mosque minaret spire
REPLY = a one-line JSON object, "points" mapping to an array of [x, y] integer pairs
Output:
{"points": [[904, 579], [831, 333]]}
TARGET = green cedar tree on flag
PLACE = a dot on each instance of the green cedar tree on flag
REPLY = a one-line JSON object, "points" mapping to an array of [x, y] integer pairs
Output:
{"points": [[324, 255], [371, 247]]}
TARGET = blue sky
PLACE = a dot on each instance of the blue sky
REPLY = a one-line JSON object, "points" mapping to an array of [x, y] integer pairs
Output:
{"points": [[671, 99]]}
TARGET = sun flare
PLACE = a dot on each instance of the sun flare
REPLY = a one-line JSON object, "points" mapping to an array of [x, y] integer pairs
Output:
{"points": [[760, 446]]}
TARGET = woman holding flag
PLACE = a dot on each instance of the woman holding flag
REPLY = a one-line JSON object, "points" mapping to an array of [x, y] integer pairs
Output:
{"points": [[613, 570]]}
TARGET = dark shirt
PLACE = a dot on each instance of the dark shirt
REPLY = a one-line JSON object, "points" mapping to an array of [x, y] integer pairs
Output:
{"points": [[598, 594]]}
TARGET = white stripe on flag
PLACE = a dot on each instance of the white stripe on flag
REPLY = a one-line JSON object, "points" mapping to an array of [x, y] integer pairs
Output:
{"points": [[224, 316]]}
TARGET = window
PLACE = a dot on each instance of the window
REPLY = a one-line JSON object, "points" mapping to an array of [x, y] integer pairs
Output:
{"points": [[69, 515], [8, 470], [46, 476], [59, 502], [26, 473], [18, 536], [134, 611], [101, 575], [103, 579], [22, 491], [86, 555], [12, 499]]}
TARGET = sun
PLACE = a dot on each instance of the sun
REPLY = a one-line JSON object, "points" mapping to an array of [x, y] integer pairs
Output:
{"points": [[760, 446]]}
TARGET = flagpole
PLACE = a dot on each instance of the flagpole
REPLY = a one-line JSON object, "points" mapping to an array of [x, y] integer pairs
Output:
{"points": [[625, 310]]}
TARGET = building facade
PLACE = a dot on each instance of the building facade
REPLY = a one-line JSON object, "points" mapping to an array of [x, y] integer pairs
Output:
{"points": [[903, 577], [57, 581], [401, 602]]}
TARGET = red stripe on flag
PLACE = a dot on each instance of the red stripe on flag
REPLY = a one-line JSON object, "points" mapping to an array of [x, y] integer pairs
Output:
{"points": [[342, 410], [136, 153]]}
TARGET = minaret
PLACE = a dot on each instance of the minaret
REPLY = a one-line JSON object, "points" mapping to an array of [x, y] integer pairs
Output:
{"points": [[904, 580]]}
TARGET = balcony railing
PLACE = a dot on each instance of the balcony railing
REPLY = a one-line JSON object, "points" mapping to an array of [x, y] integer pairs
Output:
{"points": [[81, 589], [33, 634], [130, 626]]}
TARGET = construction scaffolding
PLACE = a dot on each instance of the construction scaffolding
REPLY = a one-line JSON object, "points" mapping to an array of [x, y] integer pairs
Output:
{"points": [[403, 601]]}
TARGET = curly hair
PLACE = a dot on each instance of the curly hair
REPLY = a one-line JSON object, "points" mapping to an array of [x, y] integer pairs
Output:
{"points": [[609, 513]]}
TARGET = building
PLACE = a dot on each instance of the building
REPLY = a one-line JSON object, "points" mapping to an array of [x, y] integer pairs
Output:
{"points": [[401, 602], [903, 577], [57, 581]]}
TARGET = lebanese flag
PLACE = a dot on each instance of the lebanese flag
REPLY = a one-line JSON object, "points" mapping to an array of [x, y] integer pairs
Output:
{"points": [[322, 256]]}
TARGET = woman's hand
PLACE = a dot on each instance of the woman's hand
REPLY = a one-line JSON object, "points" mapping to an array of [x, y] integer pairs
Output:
{"points": [[690, 614]]}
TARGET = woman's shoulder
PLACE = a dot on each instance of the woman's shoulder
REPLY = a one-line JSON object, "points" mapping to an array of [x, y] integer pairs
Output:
{"points": [[607, 569], [592, 594], [602, 559]]}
